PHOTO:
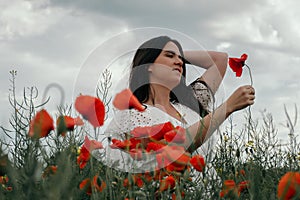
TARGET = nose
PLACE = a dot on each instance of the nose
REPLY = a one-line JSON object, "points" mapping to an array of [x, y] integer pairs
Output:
{"points": [[178, 61]]}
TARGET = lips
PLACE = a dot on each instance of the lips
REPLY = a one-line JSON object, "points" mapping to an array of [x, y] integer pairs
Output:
{"points": [[177, 69]]}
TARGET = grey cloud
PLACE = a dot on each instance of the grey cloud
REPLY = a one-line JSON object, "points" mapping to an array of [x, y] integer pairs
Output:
{"points": [[184, 16], [55, 53]]}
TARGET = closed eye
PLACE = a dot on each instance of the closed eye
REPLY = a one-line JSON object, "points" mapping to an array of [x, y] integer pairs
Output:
{"points": [[171, 54]]}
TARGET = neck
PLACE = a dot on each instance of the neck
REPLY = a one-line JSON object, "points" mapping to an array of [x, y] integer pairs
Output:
{"points": [[159, 95]]}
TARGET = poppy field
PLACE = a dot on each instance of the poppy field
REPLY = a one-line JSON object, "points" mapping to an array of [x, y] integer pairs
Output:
{"points": [[61, 155]]}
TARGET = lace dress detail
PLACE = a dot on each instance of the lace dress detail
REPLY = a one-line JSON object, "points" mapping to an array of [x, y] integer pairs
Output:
{"points": [[203, 94]]}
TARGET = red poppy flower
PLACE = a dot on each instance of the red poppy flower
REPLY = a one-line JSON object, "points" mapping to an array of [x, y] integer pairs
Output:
{"points": [[159, 174], [67, 123], [83, 157], [243, 185], [139, 182], [174, 153], [229, 188], [135, 143], [98, 184], [173, 167], [289, 185], [154, 146], [167, 183], [147, 176], [126, 182], [242, 172], [126, 144], [174, 197], [3, 179], [158, 131], [126, 100], [135, 179], [162, 161], [41, 125], [173, 158], [117, 144], [50, 170], [136, 154], [176, 135], [85, 151], [182, 161], [91, 109], [87, 185], [237, 64], [91, 145], [197, 161], [9, 188], [141, 131]]}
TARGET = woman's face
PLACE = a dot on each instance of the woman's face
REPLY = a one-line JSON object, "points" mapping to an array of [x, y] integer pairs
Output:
{"points": [[167, 68]]}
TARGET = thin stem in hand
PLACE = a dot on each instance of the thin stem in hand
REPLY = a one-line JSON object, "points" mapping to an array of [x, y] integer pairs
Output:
{"points": [[250, 127], [251, 80]]}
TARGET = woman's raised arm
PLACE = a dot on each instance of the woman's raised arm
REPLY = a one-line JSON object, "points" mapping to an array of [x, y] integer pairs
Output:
{"points": [[202, 130], [215, 64]]}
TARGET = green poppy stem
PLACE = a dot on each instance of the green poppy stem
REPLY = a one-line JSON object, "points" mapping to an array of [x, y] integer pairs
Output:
{"points": [[250, 126], [251, 80]]}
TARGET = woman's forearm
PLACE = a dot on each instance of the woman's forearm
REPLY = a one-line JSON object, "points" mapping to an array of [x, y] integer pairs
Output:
{"points": [[205, 59], [199, 132]]}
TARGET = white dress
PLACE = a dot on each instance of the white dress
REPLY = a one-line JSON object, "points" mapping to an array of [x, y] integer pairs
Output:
{"points": [[125, 121]]}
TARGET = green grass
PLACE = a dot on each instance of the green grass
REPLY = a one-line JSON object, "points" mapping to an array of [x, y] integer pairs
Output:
{"points": [[252, 154]]}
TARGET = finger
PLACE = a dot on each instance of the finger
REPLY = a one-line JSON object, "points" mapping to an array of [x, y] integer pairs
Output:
{"points": [[252, 97], [250, 102], [251, 90]]}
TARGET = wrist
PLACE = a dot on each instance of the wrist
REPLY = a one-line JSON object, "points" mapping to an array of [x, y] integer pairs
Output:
{"points": [[229, 109]]}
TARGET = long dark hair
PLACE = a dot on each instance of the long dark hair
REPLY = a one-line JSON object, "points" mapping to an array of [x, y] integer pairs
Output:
{"points": [[139, 82]]}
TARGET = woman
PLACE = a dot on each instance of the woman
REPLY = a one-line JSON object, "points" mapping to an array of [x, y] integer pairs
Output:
{"points": [[157, 79]]}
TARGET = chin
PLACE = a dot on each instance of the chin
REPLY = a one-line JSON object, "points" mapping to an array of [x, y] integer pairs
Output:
{"points": [[174, 84]]}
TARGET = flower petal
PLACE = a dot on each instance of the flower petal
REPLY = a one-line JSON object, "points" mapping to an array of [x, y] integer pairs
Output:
{"points": [[236, 64], [176, 135], [197, 161], [126, 100], [154, 146], [41, 125], [158, 131], [140, 132], [288, 185], [92, 144], [91, 109], [67, 123], [167, 183], [86, 186]]}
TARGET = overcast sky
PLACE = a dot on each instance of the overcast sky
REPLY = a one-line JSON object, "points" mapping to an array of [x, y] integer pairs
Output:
{"points": [[68, 42]]}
